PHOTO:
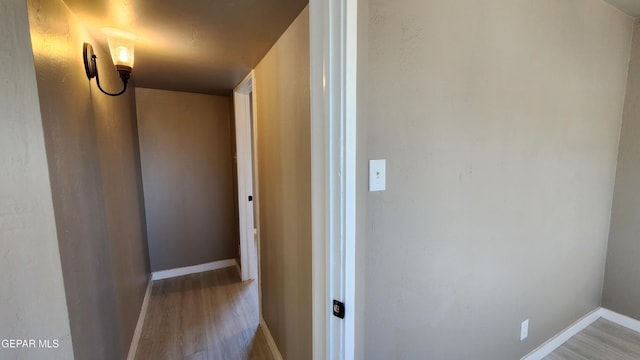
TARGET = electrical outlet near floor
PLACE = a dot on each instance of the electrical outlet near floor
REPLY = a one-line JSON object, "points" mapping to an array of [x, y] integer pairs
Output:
{"points": [[524, 329]]}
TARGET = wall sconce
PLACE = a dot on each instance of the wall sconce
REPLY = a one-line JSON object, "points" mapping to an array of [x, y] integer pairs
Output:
{"points": [[121, 48]]}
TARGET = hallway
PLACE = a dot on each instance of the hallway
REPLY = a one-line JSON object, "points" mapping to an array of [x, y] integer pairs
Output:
{"points": [[205, 316]]}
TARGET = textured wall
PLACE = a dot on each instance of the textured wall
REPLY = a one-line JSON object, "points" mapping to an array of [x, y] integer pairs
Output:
{"points": [[284, 170], [500, 122], [622, 276], [92, 151], [185, 147], [32, 299]]}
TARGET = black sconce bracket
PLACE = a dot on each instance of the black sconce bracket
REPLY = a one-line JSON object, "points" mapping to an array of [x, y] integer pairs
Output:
{"points": [[91, 68]]}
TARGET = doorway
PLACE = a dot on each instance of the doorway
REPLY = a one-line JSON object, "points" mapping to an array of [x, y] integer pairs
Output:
{"points": [[333, 95], [248, 210]]}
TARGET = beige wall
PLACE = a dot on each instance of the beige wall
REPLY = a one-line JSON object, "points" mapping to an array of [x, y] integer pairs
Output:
{"points": [[32, 298], [622, 276], [500, 123], [284, 155], [185, 148], [362, 179], [92, 151]]}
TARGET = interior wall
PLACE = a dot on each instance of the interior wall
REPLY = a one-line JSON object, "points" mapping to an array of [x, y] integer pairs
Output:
{"points": [[187, 171], [362, 178], [284, 171], [622, 276], [31, 287], [92, 151], [500, 123]]}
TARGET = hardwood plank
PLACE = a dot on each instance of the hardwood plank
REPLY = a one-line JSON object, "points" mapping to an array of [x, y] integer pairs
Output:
{"points": [[160, 332], [615, 339], [259, 348], [205, 316], [628, 339], [592, 350], [228, 304], [192, 325], [564, 353], [602, 340]]}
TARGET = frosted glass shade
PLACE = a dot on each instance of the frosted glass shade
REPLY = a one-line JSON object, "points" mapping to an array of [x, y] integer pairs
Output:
{"points": [[121, 47]]}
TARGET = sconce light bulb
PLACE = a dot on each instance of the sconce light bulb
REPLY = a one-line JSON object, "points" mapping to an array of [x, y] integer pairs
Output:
{"points": [[123, 54]]}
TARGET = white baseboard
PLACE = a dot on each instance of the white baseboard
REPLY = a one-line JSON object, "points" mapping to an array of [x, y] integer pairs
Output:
{"points": [[622, 320], [138, 331], [270, 342], [556, 341], [164, 274]]}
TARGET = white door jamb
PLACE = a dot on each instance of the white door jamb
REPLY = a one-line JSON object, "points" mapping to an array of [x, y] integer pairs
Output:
{"points": [[244, 155], [333, 39]]}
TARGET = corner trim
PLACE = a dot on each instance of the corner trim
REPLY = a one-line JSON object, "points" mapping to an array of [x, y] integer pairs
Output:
{"points": [[137, 333], [270, 342], [560, 338], [165, 274]]}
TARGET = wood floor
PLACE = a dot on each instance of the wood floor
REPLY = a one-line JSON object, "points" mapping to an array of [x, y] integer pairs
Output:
{"points": [[206, 316], [602, 340]]}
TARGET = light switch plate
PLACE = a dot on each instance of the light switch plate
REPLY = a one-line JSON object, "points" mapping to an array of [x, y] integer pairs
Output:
{"points": [[377, 175]]}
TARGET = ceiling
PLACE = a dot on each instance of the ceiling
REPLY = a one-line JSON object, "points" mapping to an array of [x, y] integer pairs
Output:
{"points": [[631, 7], [205, 46]]}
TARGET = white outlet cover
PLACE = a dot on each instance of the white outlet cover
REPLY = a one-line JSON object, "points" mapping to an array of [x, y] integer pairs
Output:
{"points": [[377, 175], [524, 330]]}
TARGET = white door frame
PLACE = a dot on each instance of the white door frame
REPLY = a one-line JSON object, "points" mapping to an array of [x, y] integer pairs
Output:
{"points": [[333, 41], [247, 176]]}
